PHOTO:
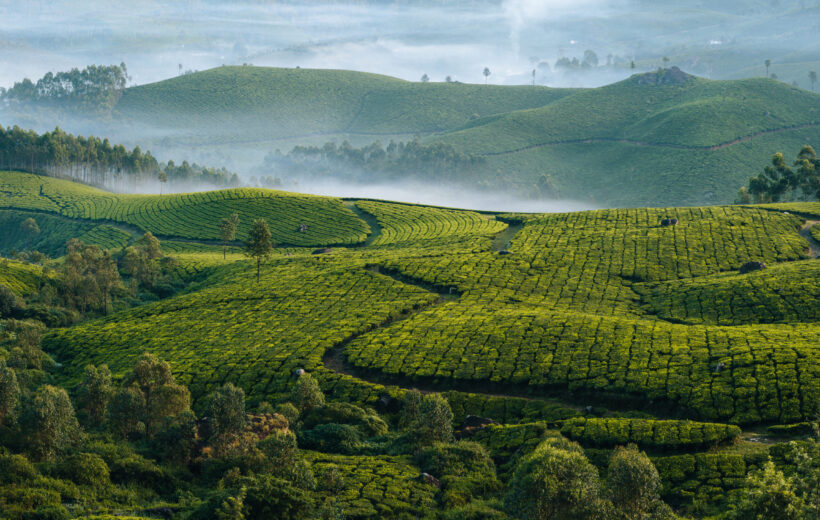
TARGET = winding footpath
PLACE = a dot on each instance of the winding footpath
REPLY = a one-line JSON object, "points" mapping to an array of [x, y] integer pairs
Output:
{"points": [[805, 232]]}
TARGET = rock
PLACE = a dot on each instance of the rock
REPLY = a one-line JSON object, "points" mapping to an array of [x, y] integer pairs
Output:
{"points": [[748, 267], [385, 403], [472, 424], [302, 228], [427, 478], [299, 372]]}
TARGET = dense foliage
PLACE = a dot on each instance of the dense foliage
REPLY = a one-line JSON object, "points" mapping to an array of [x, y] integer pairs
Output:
{"points": [[404, 161], [97, 162], [94, 88], [780, 182]]}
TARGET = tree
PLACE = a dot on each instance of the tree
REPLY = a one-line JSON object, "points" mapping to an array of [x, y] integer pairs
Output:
{"points": [[634, 484], [163, 397], [231, 507], [554, 483], [665, 61], [227, 231], [259, 244], [162, 177], [11, 305], [49, 422], [779, 181], [227, 410], [769, 495], [30, 227], [410, 408], [9, 391], [435, 419], [590, 59], [767, 63], [307, 394], [95, 392], [126, 411], [448, 79], [486, 74], [812, 78], [425, 78]]}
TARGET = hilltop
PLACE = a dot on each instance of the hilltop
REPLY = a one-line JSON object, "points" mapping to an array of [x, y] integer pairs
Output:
{"points": [[649, 140], [260, 104]]}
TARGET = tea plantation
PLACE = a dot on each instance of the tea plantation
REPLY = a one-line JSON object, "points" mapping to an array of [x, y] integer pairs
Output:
{"points": [[603, 327]]}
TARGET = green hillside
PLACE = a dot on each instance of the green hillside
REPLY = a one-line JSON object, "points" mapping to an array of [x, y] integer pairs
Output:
{"points": [[189, 215], [602, 327], [654, 139], [240, 104], [686, 140]]}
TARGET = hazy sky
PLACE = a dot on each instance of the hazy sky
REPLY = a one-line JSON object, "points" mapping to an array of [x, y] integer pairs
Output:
{"points": [[406, 39]]}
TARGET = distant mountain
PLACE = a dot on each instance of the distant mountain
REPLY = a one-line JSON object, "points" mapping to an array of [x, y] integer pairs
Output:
{"points": [[656, 139]]}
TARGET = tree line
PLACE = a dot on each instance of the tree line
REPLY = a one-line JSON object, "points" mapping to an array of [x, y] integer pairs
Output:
{"points": [[97, 162], [402, 160], [96, 88], [781, 182]]}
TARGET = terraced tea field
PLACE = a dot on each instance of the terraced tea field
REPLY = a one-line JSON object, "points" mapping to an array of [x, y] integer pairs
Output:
{"points": [[193, 215], [583, 318]]}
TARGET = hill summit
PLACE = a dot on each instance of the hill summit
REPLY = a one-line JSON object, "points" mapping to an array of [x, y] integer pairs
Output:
{"points": [[672, 76]]}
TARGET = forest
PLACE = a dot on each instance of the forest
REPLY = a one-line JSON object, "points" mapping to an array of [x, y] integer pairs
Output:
{"points": [[97, 162]]}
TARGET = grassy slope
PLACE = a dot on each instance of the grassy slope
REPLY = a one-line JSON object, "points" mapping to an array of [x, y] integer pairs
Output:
{"points": [[190, 215], [252, 107], [259, 104], [598, 302], [563, 311], [631, 143]]}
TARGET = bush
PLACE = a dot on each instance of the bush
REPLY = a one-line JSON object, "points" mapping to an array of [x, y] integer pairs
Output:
{"points": [[48, 513], [16, 469], [367, 421], [458, 458], [270, 497], [84, 469], [142, 472], [333, 438]]}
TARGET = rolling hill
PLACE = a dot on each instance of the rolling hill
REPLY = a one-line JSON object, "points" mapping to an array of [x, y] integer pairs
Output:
{"points": [[602, 326], [663, 138], [655, 139]]}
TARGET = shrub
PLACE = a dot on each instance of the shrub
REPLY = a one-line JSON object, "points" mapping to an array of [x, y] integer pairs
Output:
{"points": [[333, 438], [85, 469], [16, 469], [459, 458], [367, 421], [269, 497]]}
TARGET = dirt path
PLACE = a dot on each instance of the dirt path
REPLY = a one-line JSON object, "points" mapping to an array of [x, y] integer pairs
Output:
{"points": [[805, 232], [503, 240], [372, 221], [707, 148]]}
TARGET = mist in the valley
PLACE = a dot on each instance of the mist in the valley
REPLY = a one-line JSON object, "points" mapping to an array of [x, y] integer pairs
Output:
{"points": [[446, 195], [557, 43]]}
